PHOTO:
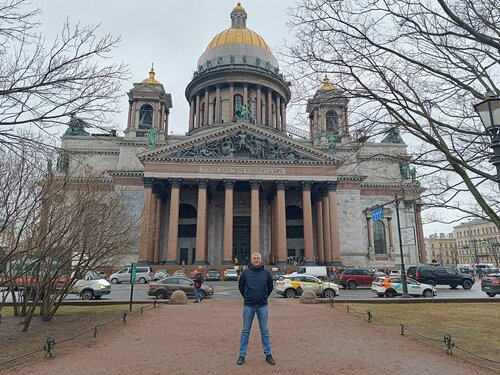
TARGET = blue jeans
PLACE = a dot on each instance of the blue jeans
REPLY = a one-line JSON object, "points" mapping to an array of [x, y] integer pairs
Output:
{"points": [[197, 294], [248, 315]]}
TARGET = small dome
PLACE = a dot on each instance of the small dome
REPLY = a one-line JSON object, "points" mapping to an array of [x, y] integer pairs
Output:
{"points": [[327, 86], [238, 36], [151, 78], [239, 8]]}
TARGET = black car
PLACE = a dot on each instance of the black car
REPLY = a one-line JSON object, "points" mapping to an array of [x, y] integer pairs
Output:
{"points": [[213, 274], [491, 284], [433, 275]]}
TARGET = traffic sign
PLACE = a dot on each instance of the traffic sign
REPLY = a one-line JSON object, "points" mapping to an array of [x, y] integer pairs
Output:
{"points": [[484, 244], [133, 273], [377, 214]]}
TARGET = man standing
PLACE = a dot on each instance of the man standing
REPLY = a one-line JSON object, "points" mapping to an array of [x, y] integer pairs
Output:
{"points": [[198, 280], [255, 285]]}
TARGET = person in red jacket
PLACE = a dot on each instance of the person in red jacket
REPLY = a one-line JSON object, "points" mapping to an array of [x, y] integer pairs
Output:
{"points": [[198, 281], [255, 285]]}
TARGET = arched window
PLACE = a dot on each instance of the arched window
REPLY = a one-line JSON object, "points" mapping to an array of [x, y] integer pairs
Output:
{"points": [[202, 113], [187, 211], [293, 213], [332, 122], [214, 106], [379, 241], [238, 102], [146, 116]]}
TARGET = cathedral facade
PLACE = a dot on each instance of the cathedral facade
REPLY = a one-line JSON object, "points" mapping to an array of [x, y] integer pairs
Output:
{"points": [[242, 180]]}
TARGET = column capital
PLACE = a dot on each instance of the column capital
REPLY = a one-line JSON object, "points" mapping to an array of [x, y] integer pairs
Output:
{"points": [[306, 185], [331, 185], [202, 183], [149, 182], [280, 184], [255, 184], [175, 182], [229, 184]]}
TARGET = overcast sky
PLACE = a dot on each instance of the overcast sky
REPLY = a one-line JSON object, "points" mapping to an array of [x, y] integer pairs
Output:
{"points": [[171, 34]]}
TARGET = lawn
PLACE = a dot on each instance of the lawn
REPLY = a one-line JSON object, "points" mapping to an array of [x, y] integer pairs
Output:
{"points": [[474, 327]]}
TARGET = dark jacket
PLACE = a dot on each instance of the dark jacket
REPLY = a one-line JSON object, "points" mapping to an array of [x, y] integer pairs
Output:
{"points": [[255, 285], [198, 280]]}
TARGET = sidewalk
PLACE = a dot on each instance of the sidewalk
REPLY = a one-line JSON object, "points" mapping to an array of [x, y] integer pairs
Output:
{"points": [[204, 339]]}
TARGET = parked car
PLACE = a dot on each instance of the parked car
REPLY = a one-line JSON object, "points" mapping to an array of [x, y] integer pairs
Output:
{"points": [[294, 285], [321, 272], [213, 274], [491, 284], [485, 268], [179, 273], [164, 288], [433, 275], [392, 286], [351, 278], [231, 274], [142, 275], [91, 286], [160, 274]]}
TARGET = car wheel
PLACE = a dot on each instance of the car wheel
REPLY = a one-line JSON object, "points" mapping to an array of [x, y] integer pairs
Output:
{"points": [[431, 282], [390, 293], [428, 293], [467, 284], [491, 294], [161, 294], [290, 293], [114, 280], [352, 284], [142, 280], [87, 295], [329, 293]]}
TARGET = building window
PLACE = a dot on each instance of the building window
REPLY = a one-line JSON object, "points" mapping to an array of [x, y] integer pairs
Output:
{"points": [[332, 122], [379, 241], [146, 116], [238, 102]]}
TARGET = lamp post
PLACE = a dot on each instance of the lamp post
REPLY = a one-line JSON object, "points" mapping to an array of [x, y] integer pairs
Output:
{"points": [[489, 113], [403, 270]]}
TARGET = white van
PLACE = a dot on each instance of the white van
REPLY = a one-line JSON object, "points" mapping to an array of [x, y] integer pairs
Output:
{"points": [[90, 286], [319, 271]]}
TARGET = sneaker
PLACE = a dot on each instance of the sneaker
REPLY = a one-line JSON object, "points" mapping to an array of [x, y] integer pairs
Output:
{"points": [[195, 302], [270, 359], [240, 360]]}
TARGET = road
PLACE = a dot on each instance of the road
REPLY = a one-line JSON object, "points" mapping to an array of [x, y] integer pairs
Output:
{"points": [[229, 289]]}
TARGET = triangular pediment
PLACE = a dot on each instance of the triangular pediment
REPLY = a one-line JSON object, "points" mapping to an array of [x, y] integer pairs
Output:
{"points": [[240, 141], [148, 88]]}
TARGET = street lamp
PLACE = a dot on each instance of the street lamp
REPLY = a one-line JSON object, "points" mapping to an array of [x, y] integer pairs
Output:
{"points": [[403, 270], [489, 113]]}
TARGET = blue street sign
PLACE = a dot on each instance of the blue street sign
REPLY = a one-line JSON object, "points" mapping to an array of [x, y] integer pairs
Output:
{"points": [[377, 214]]}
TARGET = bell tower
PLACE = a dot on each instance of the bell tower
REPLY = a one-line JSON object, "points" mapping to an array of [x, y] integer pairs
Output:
{"points": [[328, 115], [149, 108]]}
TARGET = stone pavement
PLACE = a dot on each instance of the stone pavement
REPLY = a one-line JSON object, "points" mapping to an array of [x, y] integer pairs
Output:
{"points": [[204, 339]]}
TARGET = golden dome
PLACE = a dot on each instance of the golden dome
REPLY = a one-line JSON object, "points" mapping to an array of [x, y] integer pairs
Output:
{"points": [[238, 36], [238, 8], [327, 86], [151, 78]]}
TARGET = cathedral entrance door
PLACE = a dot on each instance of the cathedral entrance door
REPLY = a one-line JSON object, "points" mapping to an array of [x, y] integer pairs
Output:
{"points": [[241, 240]]}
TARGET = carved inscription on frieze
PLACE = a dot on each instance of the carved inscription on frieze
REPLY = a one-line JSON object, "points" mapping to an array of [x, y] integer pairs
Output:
{"points": [[243, 170]]}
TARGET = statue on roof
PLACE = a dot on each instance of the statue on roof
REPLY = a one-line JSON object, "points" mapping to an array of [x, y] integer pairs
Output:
{"points": [[76, 126], [153, 137], [393, 136], [242, 112]]}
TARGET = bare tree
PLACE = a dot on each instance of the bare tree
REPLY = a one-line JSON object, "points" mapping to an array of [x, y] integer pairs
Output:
{"points": [[420, 66], [59, 225], [43, 84]]}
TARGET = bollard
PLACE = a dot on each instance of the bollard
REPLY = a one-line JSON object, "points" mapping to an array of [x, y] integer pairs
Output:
{"points": [[369, 315], [47, 348], [449, 344], [125, 313], [402, 329], [154, 303], [95, 331]]}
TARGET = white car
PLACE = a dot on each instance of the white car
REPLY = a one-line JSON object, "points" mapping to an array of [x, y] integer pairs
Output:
{"points": [[294, 285], [91, 286], [392, 286]]}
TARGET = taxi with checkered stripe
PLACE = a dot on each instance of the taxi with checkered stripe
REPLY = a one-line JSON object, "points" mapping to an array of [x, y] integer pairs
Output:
{"points": [[392, 286], [293, 285]]}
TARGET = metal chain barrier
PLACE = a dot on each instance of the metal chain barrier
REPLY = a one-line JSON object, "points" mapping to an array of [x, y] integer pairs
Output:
{"points": [[368, 312], [51, 342], [448, 342]]}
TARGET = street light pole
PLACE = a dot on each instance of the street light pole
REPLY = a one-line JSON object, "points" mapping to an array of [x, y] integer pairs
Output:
{"points": [[489, 113], [403, 270]]}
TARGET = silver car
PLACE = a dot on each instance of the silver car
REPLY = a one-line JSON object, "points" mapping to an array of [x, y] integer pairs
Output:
{"points": [[143, 275]]}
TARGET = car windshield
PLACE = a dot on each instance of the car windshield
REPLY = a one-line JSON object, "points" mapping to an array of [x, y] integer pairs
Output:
{"points": [[93, 275]]}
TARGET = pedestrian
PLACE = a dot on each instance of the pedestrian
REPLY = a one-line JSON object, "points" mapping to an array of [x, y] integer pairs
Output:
{"points": [[198, 280], [255, 285]]}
